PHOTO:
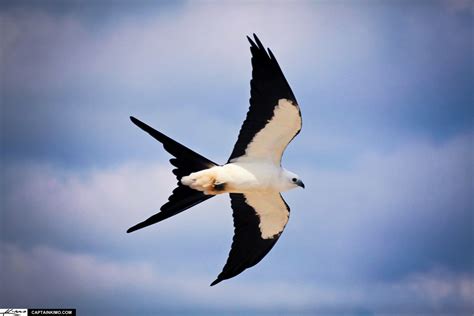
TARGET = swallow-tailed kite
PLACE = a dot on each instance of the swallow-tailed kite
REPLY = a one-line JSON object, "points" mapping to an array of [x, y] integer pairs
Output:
{"points": [[253, 175]]}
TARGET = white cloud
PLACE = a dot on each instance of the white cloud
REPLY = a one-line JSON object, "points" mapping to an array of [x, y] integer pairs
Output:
{"points": [[91, 197], [415, 199], [344, 262], [387, 215], [87, 282], [58, 276], [386, 211], [83, 75], [360, 206], [157, 50], [133, 53], [105, 202]]}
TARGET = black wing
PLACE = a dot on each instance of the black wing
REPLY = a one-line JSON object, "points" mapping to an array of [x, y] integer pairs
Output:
{"points": [[186, 161], [267, 87], [254, 234]]}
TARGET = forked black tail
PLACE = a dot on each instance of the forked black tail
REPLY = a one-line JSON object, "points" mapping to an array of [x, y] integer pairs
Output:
{"points": [[186, 161]]}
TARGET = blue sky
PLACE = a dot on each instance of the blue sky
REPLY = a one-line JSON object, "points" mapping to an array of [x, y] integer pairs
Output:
{"points": [[385, 223]]}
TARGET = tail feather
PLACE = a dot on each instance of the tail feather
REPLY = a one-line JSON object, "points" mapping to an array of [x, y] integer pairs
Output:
{"points": [[181, 199], [186, 162]]}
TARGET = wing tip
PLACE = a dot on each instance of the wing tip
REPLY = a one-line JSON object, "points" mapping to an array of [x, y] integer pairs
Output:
{"points": [[252, 43], [255, 41], [150, 221], [137, 122], [255, 37], [216, 281], [132, 229], [259, 43]]}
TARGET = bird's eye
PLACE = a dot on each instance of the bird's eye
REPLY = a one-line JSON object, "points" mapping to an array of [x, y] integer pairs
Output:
{"points": [[294, 179]]}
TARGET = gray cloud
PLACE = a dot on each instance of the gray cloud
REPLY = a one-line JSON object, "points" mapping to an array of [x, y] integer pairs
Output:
{"points": [[78, 209], [389, 214], [91, 284], [386, 153], [73, 81], [395, 223]]}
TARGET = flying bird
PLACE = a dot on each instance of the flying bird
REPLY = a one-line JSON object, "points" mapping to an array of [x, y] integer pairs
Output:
{"points": [[253, 175]]}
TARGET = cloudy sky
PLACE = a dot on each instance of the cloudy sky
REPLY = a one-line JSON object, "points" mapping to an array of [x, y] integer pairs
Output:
{"points": [[385, 224]]}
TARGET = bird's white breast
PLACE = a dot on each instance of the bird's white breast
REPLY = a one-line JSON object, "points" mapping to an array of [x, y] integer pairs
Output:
{"points": [[238, 177], [250, 177]]}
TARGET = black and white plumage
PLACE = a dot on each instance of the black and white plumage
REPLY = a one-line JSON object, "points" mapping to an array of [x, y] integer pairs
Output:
{"points": [[253, 175]]}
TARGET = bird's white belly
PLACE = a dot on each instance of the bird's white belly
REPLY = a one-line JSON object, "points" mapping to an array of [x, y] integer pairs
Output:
{"points": [[249, 177], [236, 178]]}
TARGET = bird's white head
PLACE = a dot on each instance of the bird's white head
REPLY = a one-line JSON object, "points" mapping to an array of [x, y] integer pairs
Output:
{"points": [[291, 180]]}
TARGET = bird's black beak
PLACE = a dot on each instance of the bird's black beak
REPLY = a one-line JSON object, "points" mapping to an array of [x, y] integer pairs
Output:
{"points": [[300, 183]]}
